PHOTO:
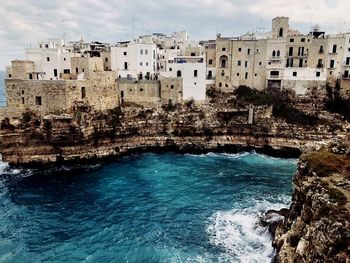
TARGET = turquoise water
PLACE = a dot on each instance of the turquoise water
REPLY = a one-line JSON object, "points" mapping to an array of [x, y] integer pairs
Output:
{"points": [[144, 208], [2, 88]]}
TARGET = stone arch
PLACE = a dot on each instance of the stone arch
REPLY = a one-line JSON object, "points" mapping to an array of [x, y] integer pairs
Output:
{"points": [[223, 61]]}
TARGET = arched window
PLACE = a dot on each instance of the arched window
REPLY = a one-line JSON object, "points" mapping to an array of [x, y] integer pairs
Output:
{"points": [[278, 53], [274, 53], [178, 73], [281, 32], [223, 61]]}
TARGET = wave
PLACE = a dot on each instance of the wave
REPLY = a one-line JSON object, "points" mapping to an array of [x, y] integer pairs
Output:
{"points": [[239, 236]]}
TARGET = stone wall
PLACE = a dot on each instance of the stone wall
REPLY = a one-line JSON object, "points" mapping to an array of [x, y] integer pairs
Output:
{"points": [[142, 92], [302, 87], [171, 90], [21, 69], [86, 65]]}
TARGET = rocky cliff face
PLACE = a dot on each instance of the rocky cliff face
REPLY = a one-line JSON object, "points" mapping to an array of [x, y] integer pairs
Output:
{"points": [[317, 226], [88, 134]]}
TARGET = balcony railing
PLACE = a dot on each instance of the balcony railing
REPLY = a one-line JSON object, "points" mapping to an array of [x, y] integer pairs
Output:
{"points": [[275, 58]]}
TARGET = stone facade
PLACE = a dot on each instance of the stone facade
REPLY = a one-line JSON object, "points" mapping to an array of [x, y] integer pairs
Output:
{"points": [[150, 93]]}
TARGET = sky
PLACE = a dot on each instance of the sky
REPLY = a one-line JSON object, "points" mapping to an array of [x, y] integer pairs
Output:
{"points": [[25, 22]]}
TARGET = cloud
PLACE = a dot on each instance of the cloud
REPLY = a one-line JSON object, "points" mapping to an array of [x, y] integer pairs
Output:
{"points": [[25, 22]]}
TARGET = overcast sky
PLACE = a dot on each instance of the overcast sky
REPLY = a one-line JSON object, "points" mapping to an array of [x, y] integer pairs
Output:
{"points": [[25, 22]]}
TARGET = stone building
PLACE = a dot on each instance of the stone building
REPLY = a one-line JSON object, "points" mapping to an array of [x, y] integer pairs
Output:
{"points": [[150, 92]]}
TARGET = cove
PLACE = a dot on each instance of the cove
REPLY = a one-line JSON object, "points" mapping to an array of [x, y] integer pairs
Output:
{"points": [[149, 207]]}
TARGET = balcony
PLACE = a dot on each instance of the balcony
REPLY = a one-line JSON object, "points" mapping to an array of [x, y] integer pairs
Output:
{"points": [[277, 77], [275, 58]]}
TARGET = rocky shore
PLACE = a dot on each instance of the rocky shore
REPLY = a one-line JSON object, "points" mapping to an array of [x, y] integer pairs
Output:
{"points": [[316, 226]]}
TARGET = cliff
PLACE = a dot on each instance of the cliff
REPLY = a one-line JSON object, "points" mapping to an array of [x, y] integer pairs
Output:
{"points": [[221, 125], [317, 226]]}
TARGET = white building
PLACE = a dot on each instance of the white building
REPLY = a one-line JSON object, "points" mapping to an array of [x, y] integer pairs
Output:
{"points": [[134, 60], [193, 73], [51, 59]]}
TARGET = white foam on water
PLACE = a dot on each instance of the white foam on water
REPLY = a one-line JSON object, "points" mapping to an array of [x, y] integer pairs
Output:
{"points": [[240, 237]]}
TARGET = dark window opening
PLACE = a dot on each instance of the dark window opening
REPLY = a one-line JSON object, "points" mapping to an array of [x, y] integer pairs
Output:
{"points": [[246, 75], [321, 49], [222, 73], [280, 34], [76, 70], [210, 62], [220, 84], [125, 65], [334, 50], [290, 51], [22, 100], [331, 65], [295, 74], [141, 89], [301, 63], [246, 64], [248, 51], [347, 62], [238, 62], [38, 100], [274, 73], [171, 86], [83, 92], [30, 76], [302, 40], [178, 73], [318, 74], [122, 96], [223, 61], [195, 73], [66, 71], [47, 59], [291, 40], [239, 49], [106, 59], [210, 74], [125, 53], [193, 54], [55, 72]]}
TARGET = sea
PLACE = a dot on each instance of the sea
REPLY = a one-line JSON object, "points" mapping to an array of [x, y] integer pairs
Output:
{"points": [[143, 208], [150, 207]]}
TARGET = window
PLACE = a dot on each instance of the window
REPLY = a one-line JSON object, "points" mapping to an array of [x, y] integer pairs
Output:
{"points": [[238, 62], [76, 70], [170, 69], [141, 51], [275, 73], [171, 86], [125, 53], [210, 74], [302, 40], [223, 61], [141, 89], [38, 100], [30, 76], [331, 64], [347, 62], [246, 64], [193, 54], [48, 59], [260, 63], [300, 63], [278, 53], [239, 49], [291, 40], [318, 74], [55, 72], [210, 62], [83, 92], [295, 74], [125, 65], [22, 100], [290, 51], [223, 49], [321, 49], [10, 75], [106, 59], [319, 63], [64, 59], [146, 52], [22, 92], [237, 74], [280, 33], [248, 51], [178, 73], [220, 84], [195, 73], [66, 71], [246, 75], [223, 73], [141, 64], [334, 49], [147, 64], [274, 53]]}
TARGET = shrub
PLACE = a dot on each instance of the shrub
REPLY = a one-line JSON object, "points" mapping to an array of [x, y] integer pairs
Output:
{"points": [[337, 196]]}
